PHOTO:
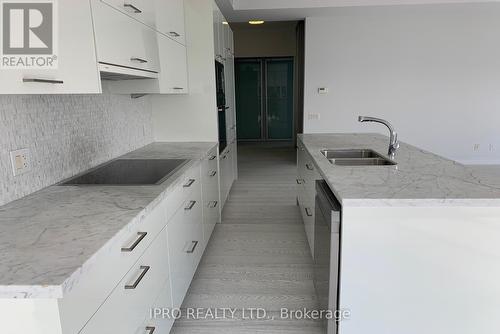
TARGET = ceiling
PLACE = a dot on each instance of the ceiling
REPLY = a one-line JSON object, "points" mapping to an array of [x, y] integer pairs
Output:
{"points": [[287, 10]]}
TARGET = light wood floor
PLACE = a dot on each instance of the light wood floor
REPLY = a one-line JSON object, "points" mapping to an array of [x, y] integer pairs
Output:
{"points": [[258, 257]]}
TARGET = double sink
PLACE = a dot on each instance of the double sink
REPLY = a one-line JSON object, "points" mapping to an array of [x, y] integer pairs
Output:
{"points": [[357, 157]]}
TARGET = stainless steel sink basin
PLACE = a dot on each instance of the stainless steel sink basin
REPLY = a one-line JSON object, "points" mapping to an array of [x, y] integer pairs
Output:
{"points": [[357, 157]]}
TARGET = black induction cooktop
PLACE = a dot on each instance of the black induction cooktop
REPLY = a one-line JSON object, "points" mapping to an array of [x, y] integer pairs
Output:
{"points": [[129, 172]]}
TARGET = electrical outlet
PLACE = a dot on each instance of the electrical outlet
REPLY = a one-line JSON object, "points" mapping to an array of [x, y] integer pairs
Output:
{"points": [[323, 90], [21, 161], [314, 116]]}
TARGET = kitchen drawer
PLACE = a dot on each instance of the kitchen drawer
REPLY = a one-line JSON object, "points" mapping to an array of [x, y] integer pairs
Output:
{"points": [[123, 41], [94, 284], [125, 309], [185, 238], [156, 323], [140, 10], [188, 183], [307, 211]]}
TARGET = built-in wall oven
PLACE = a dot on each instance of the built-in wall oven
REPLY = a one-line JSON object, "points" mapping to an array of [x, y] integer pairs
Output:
{"points": [[327, 251], [220, 84]]}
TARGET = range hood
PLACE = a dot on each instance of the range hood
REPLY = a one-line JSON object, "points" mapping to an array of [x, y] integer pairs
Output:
{"points": [[117, 73]]}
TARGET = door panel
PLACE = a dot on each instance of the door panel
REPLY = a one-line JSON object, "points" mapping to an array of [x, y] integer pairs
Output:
{"points": [[249, 99], [279, 99], [264, 99]]}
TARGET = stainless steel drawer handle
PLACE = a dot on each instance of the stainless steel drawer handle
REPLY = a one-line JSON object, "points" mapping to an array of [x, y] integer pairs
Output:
{"points": [[189, 183], [178, 88], [145, 270], [308, 212], [190, 205], [150, 329], [50, 81], [299, 181], [213, 173], [212, 204], [174, 34], [193, 247], [141, 235], [134, 8], [309, 167], [139, 60], [212, 157]]}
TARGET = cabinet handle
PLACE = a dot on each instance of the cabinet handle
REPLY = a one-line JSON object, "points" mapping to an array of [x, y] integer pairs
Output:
{"points": [[190, 205], [134, 8], [150, 329], [190, 251], [50, 81], [309, 167], [299, 181], [189, 183], [212, 157], [308, 212], [141, 235], [139, 60], [178, 88], [212, 204], [213, 173], [174, 34], [145, 270]]}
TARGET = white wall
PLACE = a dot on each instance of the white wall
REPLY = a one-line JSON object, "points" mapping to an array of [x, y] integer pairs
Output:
{"points": [[67, 134], [192, 117], [272, 39], [432, 70]]}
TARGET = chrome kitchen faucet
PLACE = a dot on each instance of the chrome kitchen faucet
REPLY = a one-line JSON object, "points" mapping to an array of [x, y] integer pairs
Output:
{"points": [[394, 143]]}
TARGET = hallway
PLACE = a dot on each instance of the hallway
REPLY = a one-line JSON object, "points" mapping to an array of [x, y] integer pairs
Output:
{"points": [[259, 256]]}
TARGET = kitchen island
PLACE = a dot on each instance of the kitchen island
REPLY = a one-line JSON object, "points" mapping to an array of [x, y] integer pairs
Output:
{"points": [[419, 250]]}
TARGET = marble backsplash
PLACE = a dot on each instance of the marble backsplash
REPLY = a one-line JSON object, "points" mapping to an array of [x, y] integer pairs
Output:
{"points": [[67, 134]]}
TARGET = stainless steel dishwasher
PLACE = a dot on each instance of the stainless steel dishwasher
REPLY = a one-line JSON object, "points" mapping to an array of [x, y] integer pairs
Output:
{"points": [[326, 251]]}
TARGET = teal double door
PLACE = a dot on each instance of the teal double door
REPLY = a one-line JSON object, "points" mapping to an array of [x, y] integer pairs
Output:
{"points": [[264, 99]]}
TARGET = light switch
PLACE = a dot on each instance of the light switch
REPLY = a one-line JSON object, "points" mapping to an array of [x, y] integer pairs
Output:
{"points": [[21, 161], [314, 116], [323, 90]]}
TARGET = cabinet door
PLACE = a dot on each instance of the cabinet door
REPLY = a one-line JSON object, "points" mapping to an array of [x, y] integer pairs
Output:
{"points": [[185, 238], [170, 19], [124, 310], [140, 10], [76, 72], [174, 74], [123, 41]]}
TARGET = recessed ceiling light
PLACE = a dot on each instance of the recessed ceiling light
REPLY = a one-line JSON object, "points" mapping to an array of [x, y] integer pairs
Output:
{"points": [[256, 22], [224, 22]]}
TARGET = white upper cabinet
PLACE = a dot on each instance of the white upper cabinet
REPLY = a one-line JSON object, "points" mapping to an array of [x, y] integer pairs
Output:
{"points": [[173, 76], [141, 10], [124, 44], [170, 19], [76, 71], [218, 33]]}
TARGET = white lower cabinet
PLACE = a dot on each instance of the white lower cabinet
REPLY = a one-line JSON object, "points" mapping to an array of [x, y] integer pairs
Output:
{"points": [[306, 191], [185, 237], [149, 264], [124, 310], [210, 194], [228, 170]]}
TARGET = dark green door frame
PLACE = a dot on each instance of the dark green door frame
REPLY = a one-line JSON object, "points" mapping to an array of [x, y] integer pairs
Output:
{"points": [[265, 99]]}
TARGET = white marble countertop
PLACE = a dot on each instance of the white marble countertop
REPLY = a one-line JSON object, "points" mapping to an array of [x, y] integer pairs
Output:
{"points": [[46, 237], [420, 178]]}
